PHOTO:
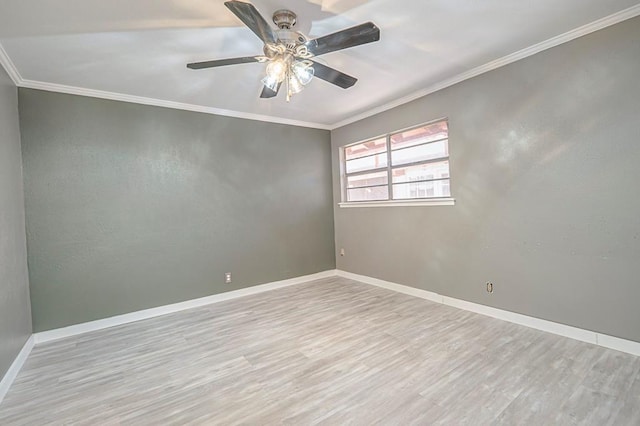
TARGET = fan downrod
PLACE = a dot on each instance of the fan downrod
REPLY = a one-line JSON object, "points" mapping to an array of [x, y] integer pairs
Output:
{"points": [[284, 19]]}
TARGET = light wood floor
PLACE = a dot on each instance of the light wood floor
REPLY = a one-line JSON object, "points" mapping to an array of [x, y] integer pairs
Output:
{"points": [[328, 352]]}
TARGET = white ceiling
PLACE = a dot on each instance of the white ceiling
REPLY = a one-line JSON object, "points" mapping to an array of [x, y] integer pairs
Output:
{"points": [[140, 48]]}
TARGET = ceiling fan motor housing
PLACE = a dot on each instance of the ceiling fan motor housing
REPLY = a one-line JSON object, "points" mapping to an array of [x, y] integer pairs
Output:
{"points": [[287, 39], [284, 19]]}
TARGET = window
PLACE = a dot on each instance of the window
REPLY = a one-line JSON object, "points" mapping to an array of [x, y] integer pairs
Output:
{"points": [[408, 165]]}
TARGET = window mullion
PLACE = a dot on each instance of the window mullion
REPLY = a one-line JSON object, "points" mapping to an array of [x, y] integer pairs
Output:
{"points": [[389, 168], [421, 181], [380, 185], [418, 163], [364, 156], [366, 172], [418, 144]]}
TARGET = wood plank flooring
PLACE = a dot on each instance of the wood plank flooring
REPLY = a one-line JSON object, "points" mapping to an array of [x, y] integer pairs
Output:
{"points": [[330, 352]]}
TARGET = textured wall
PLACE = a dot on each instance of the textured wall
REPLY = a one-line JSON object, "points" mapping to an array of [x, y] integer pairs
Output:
{"points": [[545, 158], [15, 311], [130, 206]]}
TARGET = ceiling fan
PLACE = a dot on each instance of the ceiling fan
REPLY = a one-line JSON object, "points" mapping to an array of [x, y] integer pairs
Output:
{"points": [[289, 53]]}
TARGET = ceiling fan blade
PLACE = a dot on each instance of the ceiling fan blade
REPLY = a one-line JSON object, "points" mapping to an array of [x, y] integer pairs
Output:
{"points": [[223, 62], [354, 36], [268, 93], [252, 19], [333, 76]]}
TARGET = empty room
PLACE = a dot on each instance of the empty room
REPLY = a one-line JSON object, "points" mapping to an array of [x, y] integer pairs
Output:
{"points": [[319, 212]]}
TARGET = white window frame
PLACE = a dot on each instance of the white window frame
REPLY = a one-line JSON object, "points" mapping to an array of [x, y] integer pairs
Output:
{"points": [[413, 202]]}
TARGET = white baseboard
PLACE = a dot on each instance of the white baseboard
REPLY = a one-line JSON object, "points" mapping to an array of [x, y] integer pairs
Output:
{"points": [[73, 330], [405, 289], [595, 338], [604, 340], [618, 344], [17, 364], [531, 322]]}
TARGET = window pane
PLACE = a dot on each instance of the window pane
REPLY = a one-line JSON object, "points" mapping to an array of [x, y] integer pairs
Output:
{"points": [[429, 133], [429, 151], [366, 163], [377, 178], [438, 188], [376, 193], [427, 171], [366, 148]]}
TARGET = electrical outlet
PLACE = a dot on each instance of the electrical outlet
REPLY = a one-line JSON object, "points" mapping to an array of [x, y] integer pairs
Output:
{"points": [[341, 252], [227, 277], [489, 287]]}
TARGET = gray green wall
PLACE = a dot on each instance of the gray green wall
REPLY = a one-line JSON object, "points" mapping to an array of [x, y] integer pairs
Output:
{"points": [[131, 206], [545, 166], [15, 311]]}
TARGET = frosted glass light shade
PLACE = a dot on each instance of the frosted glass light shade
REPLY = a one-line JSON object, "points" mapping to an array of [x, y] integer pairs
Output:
{"points": [[303, 71], [277, 70]]}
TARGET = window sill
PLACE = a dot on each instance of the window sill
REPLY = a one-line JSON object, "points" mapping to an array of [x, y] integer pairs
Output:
{"points": [[401, 203]]}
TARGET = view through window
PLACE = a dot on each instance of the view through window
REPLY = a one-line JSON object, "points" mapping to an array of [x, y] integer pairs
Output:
{"points": [[411, 164]]}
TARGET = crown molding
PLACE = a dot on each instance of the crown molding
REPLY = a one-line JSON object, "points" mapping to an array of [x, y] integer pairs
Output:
{"points": [[607, 21], [92, 93], [594, 26], [11, 69], [9, 66]]}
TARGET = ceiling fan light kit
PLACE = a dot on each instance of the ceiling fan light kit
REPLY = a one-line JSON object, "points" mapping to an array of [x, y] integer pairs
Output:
{"points": [[289, 53]]}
